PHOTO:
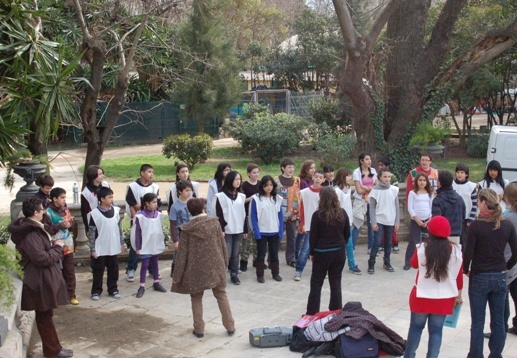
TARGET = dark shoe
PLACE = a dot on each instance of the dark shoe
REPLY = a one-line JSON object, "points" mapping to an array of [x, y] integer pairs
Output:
{"points": [[244, 266], [407, 267], [291, 263], [512, 330], [388, 267], [487, 335], [158, 287], [261, 279], [231, 333], [371, 267], [235, 280], [198, 335], [140, 292], [277, 278]]}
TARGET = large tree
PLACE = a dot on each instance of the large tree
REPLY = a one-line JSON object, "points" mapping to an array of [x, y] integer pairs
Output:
{"points": [[418, 72], [210, 64]]}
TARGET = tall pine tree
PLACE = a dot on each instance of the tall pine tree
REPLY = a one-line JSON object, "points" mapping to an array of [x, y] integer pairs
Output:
{"points": [[211, 83]]}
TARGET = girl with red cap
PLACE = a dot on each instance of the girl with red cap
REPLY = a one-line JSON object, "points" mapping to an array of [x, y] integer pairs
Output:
{"points": [[438, 286]]}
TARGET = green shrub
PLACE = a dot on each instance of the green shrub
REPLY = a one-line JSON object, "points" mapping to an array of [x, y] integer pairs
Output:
{"points": [[268, 136], [9, 258], [326, 112], [336, 149], [477, 146], [188, 149], [4, 234], [426, 134]]}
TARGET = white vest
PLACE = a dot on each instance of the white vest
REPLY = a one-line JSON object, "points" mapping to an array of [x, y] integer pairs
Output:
{"points": [[172, 193], [310, 201], [108, 236], [267, 213], [233, 212], [465, 191], [139, 191], [345, 201], [497, 188], [210, 198], [385, 210], [90, 197], [152, 234], [429, 287]]}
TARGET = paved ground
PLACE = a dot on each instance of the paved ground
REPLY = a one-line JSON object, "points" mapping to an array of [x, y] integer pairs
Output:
{"points": [[160, 324]]}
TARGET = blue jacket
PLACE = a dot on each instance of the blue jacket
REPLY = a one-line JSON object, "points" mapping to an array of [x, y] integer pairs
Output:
{"points": [[450, 204]]}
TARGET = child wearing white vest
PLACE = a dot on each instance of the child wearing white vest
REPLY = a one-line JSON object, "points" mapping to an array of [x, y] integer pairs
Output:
{"points": [[229, 209], [384, 216], [469, 193], [147, 239], [267, 221], [106, 242], [135, 191], [438, 286]]}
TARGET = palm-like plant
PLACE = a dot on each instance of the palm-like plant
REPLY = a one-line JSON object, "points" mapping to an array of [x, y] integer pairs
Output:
{"points": [[35, 79]]}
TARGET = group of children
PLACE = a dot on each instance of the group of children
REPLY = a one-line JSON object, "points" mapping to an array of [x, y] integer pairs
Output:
{"points": [[254, 214]]}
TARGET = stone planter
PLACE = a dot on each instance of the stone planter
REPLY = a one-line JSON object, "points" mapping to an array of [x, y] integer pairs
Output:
{"points": [[433, 149]]}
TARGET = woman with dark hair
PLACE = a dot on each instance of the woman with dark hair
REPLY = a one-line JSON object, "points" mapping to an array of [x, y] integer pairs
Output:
{"points": [[306, 172], [485, 264], [44, 287], [201, 265], [215, 186], [182, 173], [365, 178], [267, 221], [89, 199], [229, 209], [437, 289], [330, 230], [493, 179]]}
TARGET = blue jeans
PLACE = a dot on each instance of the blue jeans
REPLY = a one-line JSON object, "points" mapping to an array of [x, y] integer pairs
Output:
{"points": [[350, 252], [434, 327], [388, 230], [233, 245], [355, 231], [491, 288], [302, 247]]}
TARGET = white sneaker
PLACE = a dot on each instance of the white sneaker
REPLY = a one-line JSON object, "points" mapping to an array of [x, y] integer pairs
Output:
{"points": [[116, 295], [95, 297], [130, 275], [297, 276]]}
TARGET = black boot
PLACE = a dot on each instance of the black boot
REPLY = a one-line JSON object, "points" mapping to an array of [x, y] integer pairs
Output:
{"points": [[244, 266], [260, 271], [387, 266], [371, 267], [275, 271]]}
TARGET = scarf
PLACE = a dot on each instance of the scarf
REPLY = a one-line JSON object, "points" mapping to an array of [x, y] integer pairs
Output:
{"points": [[485, 214]]}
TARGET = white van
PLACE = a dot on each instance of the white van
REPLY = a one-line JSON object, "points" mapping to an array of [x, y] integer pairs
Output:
{"points": [[502, 146]]}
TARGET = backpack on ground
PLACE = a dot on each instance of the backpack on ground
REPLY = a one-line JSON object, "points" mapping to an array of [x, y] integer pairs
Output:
{"points": [[365, 347]]}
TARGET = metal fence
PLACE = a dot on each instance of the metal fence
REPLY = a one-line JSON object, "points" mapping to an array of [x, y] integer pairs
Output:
{"points": [[145, 122]]}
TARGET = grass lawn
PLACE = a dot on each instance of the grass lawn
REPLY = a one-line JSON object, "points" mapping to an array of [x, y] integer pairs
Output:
{"points": [[127, 169]]}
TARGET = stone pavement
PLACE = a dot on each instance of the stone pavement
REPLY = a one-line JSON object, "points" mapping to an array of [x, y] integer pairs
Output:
{"points": [[169, 334]]}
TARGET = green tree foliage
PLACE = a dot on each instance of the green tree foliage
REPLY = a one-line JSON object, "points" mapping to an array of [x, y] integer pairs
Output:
{"points": [[36, 92], [336, 148], [188, 149], [9, 258], [316, 53], [268, 136], [210, 84]]}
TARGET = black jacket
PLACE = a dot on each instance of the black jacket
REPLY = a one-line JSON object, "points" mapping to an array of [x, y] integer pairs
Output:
{"points": [[450, 204], [361, 322]]}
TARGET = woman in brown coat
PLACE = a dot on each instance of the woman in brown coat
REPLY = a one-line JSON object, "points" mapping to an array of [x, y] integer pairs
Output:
{"points": [[201, 264], [43, 285]]}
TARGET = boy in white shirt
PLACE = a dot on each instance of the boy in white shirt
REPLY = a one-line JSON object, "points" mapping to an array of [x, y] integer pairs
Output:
{"points": [[309, 200], [385, 218]]}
